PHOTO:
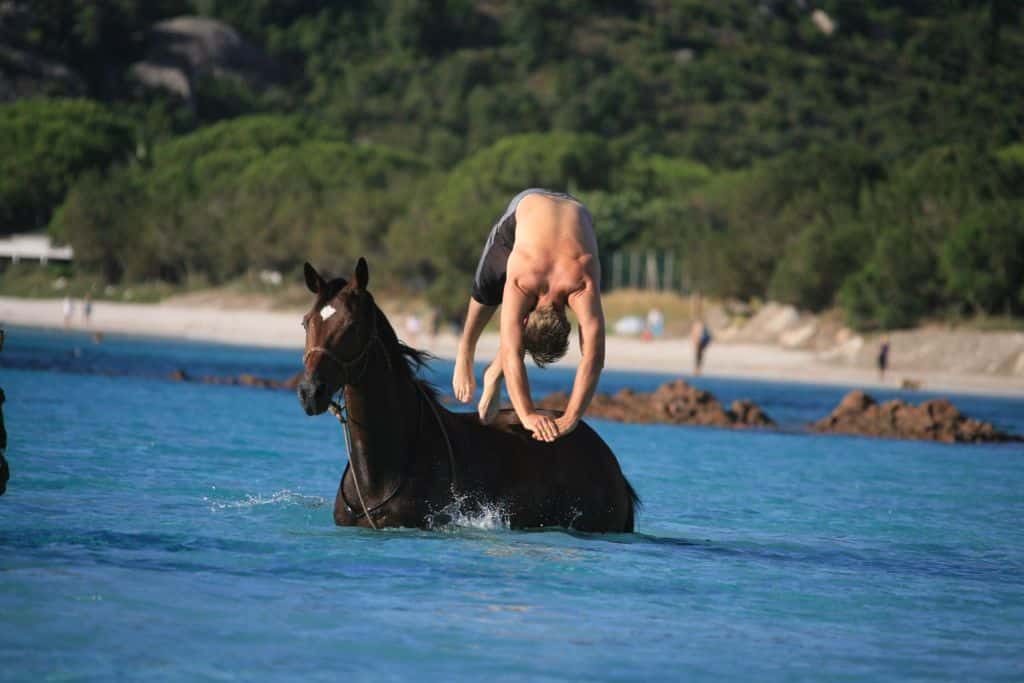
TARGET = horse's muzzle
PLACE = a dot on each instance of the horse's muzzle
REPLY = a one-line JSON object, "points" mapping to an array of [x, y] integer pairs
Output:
{"points": [[314, 396]]}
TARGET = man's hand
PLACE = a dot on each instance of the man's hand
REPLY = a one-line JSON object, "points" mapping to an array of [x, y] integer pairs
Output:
{"points": [[565, 425], [464, 381], [544, 428]]}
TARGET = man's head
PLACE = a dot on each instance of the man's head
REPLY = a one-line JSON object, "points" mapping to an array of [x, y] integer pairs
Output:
{"points": [[546, 335]]}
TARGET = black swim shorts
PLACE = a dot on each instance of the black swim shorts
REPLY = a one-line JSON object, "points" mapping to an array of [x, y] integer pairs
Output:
{"points": [[489, 281]]}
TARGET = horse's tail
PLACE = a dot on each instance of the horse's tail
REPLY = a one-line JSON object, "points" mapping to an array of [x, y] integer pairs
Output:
{"points": [[634, 503]]}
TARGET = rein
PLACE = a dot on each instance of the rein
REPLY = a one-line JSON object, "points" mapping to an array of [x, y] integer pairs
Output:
{"points": [[340, 411]]}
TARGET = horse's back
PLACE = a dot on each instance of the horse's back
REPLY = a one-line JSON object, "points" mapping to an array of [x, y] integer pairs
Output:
{"points": [[507, 421], [575, 481]]}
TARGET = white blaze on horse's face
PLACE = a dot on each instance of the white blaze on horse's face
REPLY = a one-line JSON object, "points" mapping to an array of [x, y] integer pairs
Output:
{"points": [[327, 311]]}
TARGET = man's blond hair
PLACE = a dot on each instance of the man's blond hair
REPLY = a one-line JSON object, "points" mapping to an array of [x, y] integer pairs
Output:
{"points": [[546, 336]]}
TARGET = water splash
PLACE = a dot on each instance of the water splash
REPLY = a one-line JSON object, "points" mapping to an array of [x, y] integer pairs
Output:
{"points": [[464, 512], [282, 497]]}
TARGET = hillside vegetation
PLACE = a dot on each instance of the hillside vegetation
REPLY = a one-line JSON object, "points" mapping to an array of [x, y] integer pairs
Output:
{"points": [[879, 166]]}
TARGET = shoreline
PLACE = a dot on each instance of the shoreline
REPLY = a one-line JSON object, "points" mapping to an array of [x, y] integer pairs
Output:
{"points": [[281, 329]]}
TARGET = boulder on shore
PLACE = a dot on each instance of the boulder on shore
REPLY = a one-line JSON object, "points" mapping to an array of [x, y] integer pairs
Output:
{"points": [[935, 420], [672, 403], [183, 50]]}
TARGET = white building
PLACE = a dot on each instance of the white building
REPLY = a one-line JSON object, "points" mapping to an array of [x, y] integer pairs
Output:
{"points": [[32, 248]]}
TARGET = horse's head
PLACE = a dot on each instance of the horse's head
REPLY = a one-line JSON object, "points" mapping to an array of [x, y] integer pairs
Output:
{"points": [[340, 328]]}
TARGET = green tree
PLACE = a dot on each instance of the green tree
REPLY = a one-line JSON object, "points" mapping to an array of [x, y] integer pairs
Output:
{"points": [[983, 259], [812, 270], [44, 145], [98, 219], [896, 286]]}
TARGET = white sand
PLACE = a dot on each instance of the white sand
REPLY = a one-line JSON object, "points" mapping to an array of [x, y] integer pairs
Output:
{"points": [[673, 356]]}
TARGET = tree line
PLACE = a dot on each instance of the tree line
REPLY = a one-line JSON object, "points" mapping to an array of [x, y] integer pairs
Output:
{"points": [[878, 168]]}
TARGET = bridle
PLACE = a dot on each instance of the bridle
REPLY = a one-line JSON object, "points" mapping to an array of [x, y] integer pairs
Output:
{"points": [[347, 365], [340, 411]]}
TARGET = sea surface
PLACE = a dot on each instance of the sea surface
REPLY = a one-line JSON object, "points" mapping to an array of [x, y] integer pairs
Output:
{"points": [[160, 530]]}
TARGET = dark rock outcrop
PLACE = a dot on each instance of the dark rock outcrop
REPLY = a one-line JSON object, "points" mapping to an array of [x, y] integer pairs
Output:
{"points": [[672, 403], [935, 420], [27, 74], [184, 50], [243, 380]]}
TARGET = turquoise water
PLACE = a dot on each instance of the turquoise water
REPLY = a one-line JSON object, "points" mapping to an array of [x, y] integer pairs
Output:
{"points": [[161, 530]]}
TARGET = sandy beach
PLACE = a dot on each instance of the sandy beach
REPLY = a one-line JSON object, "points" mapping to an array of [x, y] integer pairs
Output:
{"points": [[281, 329]]}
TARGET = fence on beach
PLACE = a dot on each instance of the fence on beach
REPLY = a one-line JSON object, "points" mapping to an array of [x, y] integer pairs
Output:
{"points": [[650, 269]]}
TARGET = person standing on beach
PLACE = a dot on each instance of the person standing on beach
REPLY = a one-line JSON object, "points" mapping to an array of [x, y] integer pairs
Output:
{"points": [[655, 322], [68, 306], [87, 309], [540, 257], [700, 335], [883, 358]]}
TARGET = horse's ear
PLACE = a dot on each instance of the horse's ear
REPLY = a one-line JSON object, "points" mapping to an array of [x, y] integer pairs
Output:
{"points": [[314, 282], [362, 273]]}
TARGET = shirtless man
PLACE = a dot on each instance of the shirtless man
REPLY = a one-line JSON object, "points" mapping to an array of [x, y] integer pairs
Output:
{"points": [[540, 257]]}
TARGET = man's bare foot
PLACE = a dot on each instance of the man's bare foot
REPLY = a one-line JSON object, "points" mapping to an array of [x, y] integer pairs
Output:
{"points": [[490, 395]]}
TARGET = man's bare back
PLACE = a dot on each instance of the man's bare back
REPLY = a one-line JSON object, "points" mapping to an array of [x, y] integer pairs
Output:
{"points": [[540, 258], [555, 251]]}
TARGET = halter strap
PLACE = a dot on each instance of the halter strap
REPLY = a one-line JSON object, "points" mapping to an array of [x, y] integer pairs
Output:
{"points": [[341, 412], [347, 365]]}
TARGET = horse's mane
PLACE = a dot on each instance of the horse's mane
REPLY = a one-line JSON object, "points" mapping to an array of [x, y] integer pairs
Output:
{"points": [[411, 359]]}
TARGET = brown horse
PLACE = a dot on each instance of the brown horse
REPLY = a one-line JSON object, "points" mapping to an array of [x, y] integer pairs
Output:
{"points": [[410, 459]]}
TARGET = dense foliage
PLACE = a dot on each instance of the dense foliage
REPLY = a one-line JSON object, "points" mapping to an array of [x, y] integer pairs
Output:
{"points": [[250, 193], [44, 145], [879, 166]]}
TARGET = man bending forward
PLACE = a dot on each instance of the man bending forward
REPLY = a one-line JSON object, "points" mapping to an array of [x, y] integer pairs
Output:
{"points": [[540, 257]]}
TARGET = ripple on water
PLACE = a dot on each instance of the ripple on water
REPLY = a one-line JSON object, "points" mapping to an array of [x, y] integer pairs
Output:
{"points": [[282, 497]]}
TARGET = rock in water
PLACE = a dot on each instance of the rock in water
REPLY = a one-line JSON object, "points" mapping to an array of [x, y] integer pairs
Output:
{"points": [[178, 375], [672, 403], [935, 420], [749, 414]]}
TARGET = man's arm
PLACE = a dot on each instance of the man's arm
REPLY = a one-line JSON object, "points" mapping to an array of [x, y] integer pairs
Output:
{"points": [[587, 307], [516, 306], [464, 380]]}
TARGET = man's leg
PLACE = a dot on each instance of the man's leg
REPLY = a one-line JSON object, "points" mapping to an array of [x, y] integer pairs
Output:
{"points": [[490, 397], [464, 381]]}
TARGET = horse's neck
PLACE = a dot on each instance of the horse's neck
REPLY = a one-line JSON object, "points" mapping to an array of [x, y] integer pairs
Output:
{"points": [[382, 409]]}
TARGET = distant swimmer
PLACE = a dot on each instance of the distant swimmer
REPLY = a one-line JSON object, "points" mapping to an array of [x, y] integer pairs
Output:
{"points": [[540, 257]]}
